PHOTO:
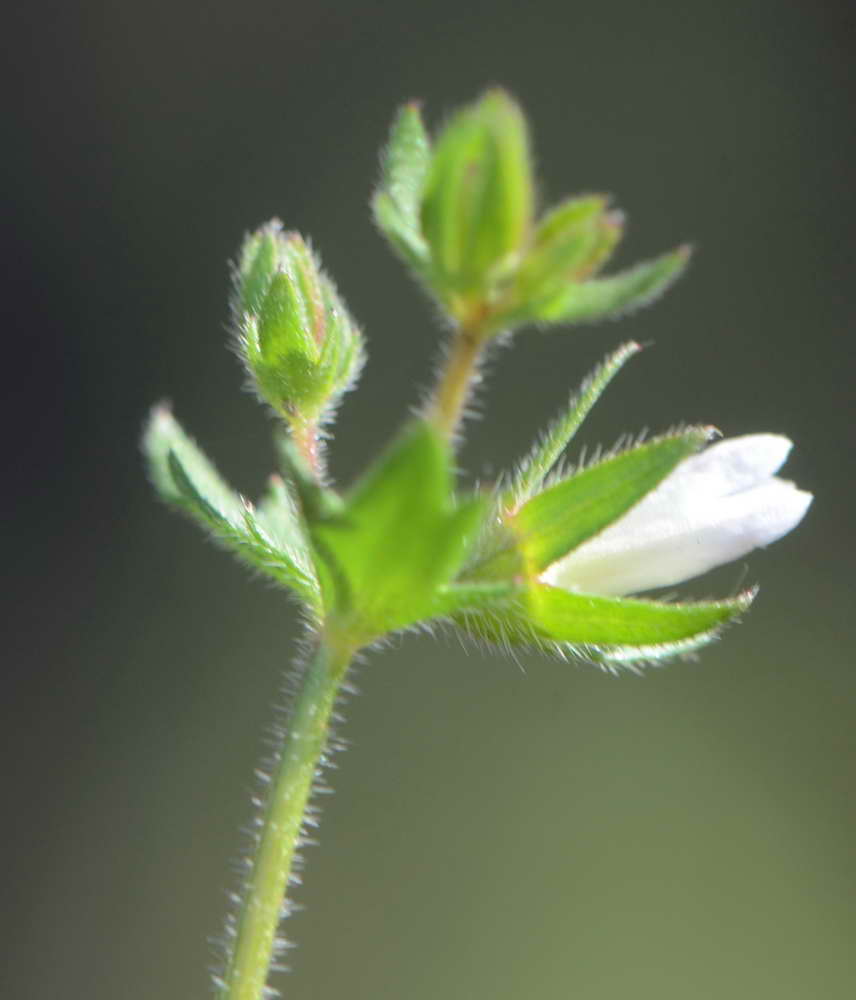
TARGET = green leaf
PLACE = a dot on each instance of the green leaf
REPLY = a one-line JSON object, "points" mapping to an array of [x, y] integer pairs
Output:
{"points": [[601, 298], [273, 543], [535, 468], [400, 538], [555, 522]]}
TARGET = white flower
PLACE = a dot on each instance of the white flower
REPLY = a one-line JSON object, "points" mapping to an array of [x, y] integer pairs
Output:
{"points": [[714, 507]]}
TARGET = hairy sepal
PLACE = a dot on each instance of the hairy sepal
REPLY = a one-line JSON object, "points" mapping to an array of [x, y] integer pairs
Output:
{"points": [[612, 632], [557, 520], [615, 295], [395, 205]]}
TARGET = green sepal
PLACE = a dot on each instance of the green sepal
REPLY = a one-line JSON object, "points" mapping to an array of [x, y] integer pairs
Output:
{"points": [[564, 515], [535, 468], [286, 355], [613, 632], [563, 616], [272, 541], [257, 264], [404, 167], [478, 200], [399, 540], [463, 597], [572, 241], [602, 298], [496, 554]]}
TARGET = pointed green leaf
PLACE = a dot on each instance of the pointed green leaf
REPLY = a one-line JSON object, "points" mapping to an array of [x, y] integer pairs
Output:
{"points": [[400, 538], [185, 478], [163, 435], [600, 298], [535, 468], [562, 517]]}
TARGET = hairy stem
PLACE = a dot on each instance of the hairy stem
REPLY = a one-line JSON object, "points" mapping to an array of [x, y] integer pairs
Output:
{"points": [[457, 379], [253, 947], [309, 445]]}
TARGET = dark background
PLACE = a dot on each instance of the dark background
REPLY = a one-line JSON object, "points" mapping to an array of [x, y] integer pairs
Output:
{"points": [[499, 830]]}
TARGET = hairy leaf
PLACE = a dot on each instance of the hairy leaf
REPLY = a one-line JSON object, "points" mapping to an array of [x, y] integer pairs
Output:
{"points": [[273, 543], [400, 538]]}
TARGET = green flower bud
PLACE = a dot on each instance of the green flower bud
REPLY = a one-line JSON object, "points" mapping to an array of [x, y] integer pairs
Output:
{"points": [[477, 202], [298, 342]]}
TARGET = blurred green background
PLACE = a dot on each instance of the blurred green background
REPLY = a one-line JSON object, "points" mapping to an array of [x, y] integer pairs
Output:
{"points": [[499, 829]]}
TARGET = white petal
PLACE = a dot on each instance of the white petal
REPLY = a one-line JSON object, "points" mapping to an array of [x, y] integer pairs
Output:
{"points": [[668, 546], [722, 469]]}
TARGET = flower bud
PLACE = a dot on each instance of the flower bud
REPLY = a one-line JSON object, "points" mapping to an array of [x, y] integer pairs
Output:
{"points": [[478, 198], [298, 342]]}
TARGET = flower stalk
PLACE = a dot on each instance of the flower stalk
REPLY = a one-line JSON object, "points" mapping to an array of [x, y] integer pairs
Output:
{"points": [[307, 440], [253, 943], [458, 378]]}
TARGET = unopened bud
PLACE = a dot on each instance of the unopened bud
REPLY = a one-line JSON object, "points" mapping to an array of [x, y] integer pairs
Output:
{"points": [[478, 198], [298, 342]]}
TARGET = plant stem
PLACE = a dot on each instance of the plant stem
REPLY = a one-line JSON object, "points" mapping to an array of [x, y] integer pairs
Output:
{"points": [[305, 435], [457, 379], [254, 943]]}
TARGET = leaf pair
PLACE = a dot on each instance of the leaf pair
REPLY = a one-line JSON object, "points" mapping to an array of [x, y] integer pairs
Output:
{"points": [[390, 555], [382, 558]]}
